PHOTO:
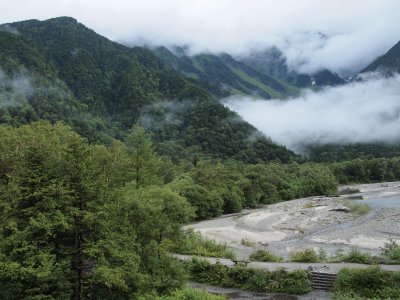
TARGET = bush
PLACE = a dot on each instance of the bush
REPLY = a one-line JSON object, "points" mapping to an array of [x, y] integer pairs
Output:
{"points": [[391, 251], [265, 256], [193, 243], [372, 282], [296, 282], [185, 294], [357, 208], [248, 243], [308, 256], [354, 256]]}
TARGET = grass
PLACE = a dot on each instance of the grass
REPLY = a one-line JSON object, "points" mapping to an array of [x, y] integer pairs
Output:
{"points": [[185, 294], [357, 208], [391, 252], [257, 280], [265, 256], [308, 255], [354, 256], [270, 91], [369, 283], [309, 204], [248, 243]]}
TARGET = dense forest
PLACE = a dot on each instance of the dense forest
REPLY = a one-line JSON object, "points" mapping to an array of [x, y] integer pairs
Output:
{"points": [[106, 151], [102, 88], [95, 221]]}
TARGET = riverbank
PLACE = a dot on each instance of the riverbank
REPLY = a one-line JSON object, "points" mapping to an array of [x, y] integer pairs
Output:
{"points": [[317, 222]]}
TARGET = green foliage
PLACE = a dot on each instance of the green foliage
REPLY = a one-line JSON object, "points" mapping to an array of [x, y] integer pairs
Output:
{"points": [[367, 170], [308, 255], [391, 251], [354, 256], [265, 256], [369, 283], [185, 294], [73, 223], [357, 208], [102, 89], [296, 282], [215, 186], [145, 161], [223, 74], [193, 243], [247, 243], [56, 229]]}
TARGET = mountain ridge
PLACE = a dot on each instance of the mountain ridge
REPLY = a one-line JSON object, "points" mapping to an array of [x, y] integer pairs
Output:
{"points": [[113, 87]]}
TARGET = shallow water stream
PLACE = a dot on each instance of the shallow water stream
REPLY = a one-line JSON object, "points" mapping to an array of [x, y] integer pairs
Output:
{"points": [[383, 202]]}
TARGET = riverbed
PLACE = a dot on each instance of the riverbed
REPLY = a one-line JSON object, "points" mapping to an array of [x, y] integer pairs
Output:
{"points": [[317, 222]]}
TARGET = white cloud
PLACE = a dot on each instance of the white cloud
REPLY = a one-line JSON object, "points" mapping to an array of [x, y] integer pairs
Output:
{"points": [[360, 112], [356, 31]]}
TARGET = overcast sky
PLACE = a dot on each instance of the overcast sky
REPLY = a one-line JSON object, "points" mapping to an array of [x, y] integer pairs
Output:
{"points": [[341, 35]]}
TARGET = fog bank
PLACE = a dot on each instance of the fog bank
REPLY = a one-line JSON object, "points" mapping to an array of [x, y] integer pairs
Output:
{"points": [[366, 111]]}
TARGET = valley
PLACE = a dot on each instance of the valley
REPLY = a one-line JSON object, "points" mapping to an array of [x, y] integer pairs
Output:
{"points": [[126, 172]]}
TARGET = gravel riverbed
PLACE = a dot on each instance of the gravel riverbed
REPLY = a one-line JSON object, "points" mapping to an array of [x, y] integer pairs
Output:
{"points": [[318, 222]]}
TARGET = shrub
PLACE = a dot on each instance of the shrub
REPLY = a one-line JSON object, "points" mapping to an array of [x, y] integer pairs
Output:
{"points": [[391, 251], [193, 243], [248, 243], [296, 282], [185, 294], [265, 256], [349, 190], [357, 208], [354, 256], [372, 282], [308, 255]]}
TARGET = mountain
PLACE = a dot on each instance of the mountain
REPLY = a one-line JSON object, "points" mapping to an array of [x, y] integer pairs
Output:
{"points": [[225, 73], [387, 63], [272, 62], [59, 69]]}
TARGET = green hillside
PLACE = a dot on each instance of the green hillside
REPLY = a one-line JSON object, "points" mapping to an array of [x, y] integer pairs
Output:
{"points": [[224, 72], [272, 62], [102, 88]]}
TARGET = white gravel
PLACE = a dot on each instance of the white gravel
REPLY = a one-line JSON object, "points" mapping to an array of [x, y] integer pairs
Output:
{"points": [[310, 222]]}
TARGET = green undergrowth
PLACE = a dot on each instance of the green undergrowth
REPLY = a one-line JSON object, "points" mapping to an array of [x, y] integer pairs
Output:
{"points": [[296, 282], [369, 283], [193, 243], [265, 256], [308, 255], [390, 255], [357, 208], [185, 294], [354, 256]]}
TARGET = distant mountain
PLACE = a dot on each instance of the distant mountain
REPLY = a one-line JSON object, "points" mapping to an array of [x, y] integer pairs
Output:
{"points": [[272, 62], [387, 63], [225, 73], [59, 69]]}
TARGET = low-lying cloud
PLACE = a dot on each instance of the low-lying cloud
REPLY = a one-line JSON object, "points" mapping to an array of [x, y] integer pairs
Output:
{"points": [[366, 111], [15, 89], [341, 35]]}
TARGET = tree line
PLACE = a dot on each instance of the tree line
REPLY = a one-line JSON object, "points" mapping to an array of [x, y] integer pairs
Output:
{"points": [[89, 221]]}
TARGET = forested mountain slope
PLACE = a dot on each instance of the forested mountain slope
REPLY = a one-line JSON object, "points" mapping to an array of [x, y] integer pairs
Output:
{"points": [[225, 72], [102, 88], [272, 62]]}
